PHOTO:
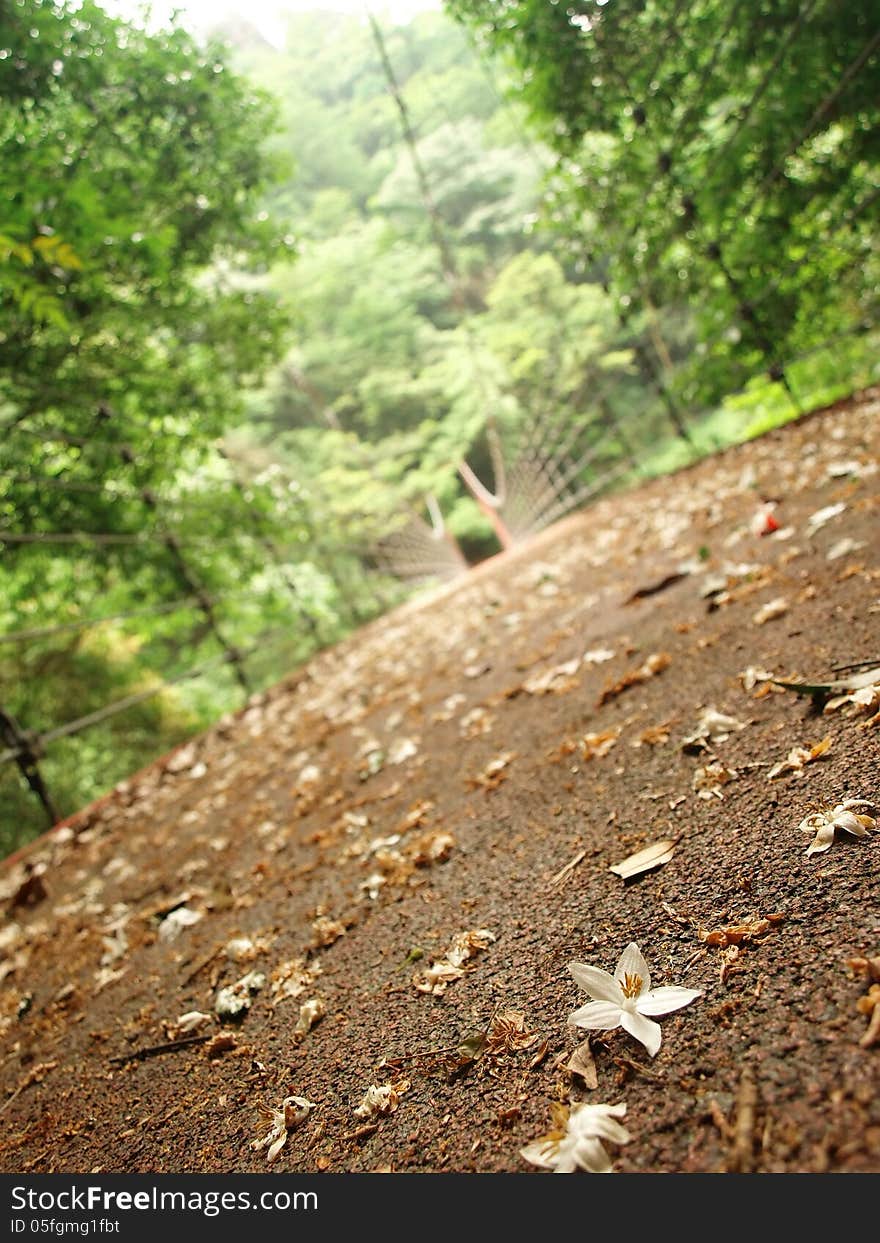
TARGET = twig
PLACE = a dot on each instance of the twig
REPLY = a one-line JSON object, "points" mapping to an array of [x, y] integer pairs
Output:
{"points": [[631, 1064], [743, 1147], [569, 867], [200, 966], [418, 1057], [170, 1046], [362, 1131], [21, 1087], [717, 1116]]}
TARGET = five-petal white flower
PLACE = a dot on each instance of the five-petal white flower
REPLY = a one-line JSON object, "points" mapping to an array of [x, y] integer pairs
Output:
{"points": [[578, 1145], [626, 998]]}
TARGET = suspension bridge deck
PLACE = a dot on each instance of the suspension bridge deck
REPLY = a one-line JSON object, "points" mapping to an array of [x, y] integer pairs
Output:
{"points": [[377, 873]]}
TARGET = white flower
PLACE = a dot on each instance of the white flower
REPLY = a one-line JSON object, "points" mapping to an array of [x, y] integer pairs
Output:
{"points": [[824, 822], [624, 999], [576, 1143], [293, 1113]]}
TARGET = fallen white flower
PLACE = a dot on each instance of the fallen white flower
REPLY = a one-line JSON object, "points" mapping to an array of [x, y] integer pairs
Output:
{"points": [[824, 822], [310, 1013], [864, 699], [292, 1114], [798, 757], [844, 547], [709, 778], [770, 611], [626, 998], [713, 726], [381, 1099], [234, 1000], [822, 516], [175, 922], [402, 749], [597, 656], [579, 1144], [192, 1021]]}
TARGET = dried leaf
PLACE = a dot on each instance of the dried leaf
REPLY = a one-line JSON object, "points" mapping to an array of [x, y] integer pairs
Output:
{"points": [[743, 933], [555, 681], [653, 589], [595, 746], [493, 774], [581, 1063], [655, 663], [646, 860], [508, 1034]]}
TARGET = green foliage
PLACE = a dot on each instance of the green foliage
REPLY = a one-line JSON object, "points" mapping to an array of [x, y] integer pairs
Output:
{"points": [[724, 158], [129, 162]]}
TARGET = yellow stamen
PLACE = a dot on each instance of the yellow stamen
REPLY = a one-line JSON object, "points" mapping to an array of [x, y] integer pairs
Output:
{"points": [[632, 985]]}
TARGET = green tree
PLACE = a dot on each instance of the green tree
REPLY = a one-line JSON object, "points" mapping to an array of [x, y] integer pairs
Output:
{"points": [[715, 156]]}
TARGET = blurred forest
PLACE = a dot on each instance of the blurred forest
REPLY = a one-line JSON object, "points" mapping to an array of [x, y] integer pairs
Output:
{"points": [[285, 330]]}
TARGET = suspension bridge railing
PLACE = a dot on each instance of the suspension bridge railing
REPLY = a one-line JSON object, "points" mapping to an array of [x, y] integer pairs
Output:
{"points": [[119, 594]]}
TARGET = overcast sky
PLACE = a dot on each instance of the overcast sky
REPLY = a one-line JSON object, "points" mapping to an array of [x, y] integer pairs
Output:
{"points": [[268, 15]]}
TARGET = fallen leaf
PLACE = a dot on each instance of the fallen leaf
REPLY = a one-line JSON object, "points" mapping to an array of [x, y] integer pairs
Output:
{"points": [[742, 933], [653, 589], [555, 681], [493, 774], [646, 860], [581, 1063], [655, 663], [508, 1034], [594, 746]]}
